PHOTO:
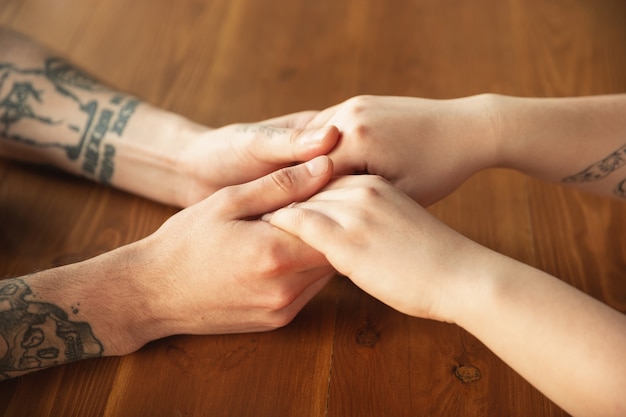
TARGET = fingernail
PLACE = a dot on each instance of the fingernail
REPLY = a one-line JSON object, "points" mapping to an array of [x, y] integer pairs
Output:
{"points": [[266, 217], [313, 139], [317, 166]]}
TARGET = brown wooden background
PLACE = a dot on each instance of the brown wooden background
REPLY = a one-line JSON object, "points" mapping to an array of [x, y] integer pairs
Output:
{"points": [[223, 61]]}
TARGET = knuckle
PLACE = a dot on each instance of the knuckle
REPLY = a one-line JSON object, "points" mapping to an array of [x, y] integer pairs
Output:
{"points": [[226, 199], [272, 260], [369, 193], [274, 267], [294, 143], [360, 103], [285, 179], [360, 128], [294, 135], [281, 298]]}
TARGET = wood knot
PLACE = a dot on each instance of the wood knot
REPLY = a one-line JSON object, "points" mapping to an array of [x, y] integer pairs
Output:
{"points": [[367, 336], [467, 373]]}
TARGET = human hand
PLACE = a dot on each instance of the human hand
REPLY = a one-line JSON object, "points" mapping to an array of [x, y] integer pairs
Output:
{"points": [[240, 153], [427, 148], [385, 242], [216, 268]]}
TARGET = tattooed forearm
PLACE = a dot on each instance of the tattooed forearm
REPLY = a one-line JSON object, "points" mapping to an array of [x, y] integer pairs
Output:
{"points": [[125, 112], [267, 130], [57, 107], [36, 335], [601, 168]]}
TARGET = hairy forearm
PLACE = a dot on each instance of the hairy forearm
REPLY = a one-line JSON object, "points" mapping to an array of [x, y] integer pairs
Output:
{"points": [[576, 141], [567, 344], [53, 113], [90, 309]]}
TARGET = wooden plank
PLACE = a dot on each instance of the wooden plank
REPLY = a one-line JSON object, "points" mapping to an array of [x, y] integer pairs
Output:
{"points": [[219, 61], [284, 372]]}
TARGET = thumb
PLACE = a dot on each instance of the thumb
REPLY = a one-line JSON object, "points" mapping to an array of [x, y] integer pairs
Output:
{"points": [[280, 188], [282, 146]]}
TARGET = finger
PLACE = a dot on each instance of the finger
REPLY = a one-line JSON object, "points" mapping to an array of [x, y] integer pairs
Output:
{"points": [[314, 228], [351, 187], [337, 210], [339, 190], [323, 117], [277, 189], [282, 146], [347, 160], [297, 120]]}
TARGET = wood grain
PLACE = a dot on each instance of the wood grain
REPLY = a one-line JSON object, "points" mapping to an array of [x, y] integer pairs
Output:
{"points": [[224, 61]]}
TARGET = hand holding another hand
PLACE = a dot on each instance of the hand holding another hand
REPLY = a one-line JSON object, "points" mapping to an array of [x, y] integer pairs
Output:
{"points": [[216, 268], [239, 153], [425, 147], [385, 242]]}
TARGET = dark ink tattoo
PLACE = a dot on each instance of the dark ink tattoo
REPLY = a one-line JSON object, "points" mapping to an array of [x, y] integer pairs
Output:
{"points": [[92, 150], [22, 108], [25, 96], [65, 74], [106, 172], [601, 168], [267, 130], [126, 111], [36, 335], [620, 189]]}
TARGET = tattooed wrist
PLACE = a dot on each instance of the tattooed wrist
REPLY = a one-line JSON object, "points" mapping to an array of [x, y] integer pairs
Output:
{"points": [[36, 335], [59, 109], [602, 169]]}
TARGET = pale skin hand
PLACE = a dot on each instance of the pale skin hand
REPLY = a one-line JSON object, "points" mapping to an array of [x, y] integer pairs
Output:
{"points": [[567, 344], [428, 147], [211, 268], [364, 217], [425, 147]]}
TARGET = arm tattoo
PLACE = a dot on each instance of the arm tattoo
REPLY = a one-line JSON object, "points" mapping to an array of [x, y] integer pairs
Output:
{"points": [[58, 107], [268, 130], [601, 168], [620, 189], [36, 335]]}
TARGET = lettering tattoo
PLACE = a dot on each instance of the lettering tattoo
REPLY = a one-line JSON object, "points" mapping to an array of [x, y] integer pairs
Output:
{"points": [[60, 108], [268, 130], [602, 169], [36, 335]]}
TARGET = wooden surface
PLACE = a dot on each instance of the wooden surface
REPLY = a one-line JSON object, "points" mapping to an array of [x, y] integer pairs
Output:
{"points": [[223, 61]]}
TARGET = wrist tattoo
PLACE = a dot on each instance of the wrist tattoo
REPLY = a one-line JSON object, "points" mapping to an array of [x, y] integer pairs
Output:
{"points": [[36, 335], [602, 169], [620, 189], [69, 111]]}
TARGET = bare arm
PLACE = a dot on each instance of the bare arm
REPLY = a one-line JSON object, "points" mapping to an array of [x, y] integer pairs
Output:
{"points": [[429, 147], [53, 113], [567, 344], [211, 268], [578, 141]]}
